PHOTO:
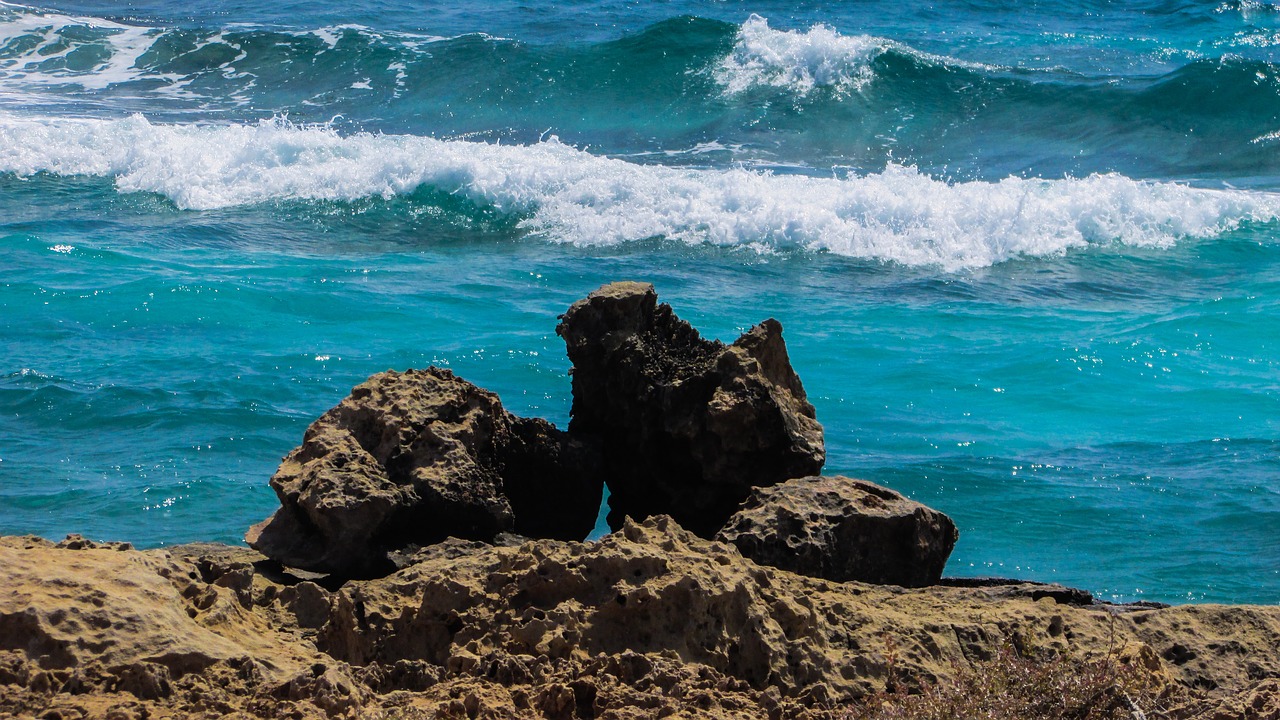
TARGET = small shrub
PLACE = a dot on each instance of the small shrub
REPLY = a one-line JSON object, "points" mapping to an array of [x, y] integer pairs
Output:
{"points": [[1013, 686]]}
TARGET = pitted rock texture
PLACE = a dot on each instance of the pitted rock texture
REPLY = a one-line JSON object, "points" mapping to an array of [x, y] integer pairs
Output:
{"points": [[687, 426], [98, 630], [520, 614], [412, 458], [843, 529], [650, 622]]}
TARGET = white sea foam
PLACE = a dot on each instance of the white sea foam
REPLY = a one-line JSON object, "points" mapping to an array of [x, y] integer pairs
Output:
{"points": [[43, 48], [1272, 136], [802, 61], [798, 61], [331, 35], [567, 195], [1248, 8]]}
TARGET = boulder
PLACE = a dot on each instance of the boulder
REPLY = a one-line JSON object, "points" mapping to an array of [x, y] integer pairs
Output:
{"points": [[686, 426], [412, 458], [843, 529]]}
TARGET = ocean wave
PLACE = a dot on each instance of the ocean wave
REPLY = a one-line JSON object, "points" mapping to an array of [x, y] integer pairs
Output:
{"points": [[563, 194], [804, 97], [45, 48], [42, 48], [820, 57], [798, 61]]}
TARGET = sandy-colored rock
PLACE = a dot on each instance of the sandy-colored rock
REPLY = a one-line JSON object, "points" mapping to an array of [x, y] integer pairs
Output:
{"points": [[687, 426], [843, 529], [1259, 701], [654, 588], [649, 622], [411, 458], [101, 630]]}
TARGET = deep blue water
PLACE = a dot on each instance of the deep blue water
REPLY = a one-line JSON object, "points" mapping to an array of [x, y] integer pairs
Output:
{"points": [[1027, 257]]}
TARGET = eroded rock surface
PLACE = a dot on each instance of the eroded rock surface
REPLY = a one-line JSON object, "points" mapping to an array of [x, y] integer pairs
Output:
{"points": [[650, 622], [412, 458], [90, 630], [687, 426], [843, 529]]}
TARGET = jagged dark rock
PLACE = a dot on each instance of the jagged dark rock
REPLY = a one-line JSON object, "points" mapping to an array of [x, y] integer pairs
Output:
{"points": [[686, 426], [843, 529], [412, 458]]}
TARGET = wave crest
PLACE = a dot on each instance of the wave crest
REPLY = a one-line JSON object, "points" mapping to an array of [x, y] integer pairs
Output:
{"points": [[567, 195], [820, 57], [800, 62]]}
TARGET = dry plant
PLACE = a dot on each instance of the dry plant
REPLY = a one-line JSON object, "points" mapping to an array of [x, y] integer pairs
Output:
{"points": [[1027, 685]]}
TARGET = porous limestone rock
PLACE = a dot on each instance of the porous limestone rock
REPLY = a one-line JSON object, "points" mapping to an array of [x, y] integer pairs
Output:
{"points": [[687, 426], [648, 622], [412, 458], [99, 630], [843, 529], [535, 615]]}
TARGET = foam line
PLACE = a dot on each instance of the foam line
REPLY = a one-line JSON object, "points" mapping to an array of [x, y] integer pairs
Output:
{"points": [[567, 195]]}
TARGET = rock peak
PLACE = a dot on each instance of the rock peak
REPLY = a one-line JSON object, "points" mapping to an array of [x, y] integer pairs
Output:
{"points": [[686, 426]]}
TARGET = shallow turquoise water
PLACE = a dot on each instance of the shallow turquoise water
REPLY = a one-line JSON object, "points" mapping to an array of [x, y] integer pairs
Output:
{"points": [[1027, 266]]}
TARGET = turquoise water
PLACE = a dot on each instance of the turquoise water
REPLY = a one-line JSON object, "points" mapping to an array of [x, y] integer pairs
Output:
{"points": [[1027, 262]]}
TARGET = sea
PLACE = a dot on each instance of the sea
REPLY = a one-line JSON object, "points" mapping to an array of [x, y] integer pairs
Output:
{"points": [[1026, 255]]}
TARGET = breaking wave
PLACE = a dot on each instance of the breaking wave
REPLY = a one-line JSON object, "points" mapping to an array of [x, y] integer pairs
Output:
{"points": [[563, 194]]}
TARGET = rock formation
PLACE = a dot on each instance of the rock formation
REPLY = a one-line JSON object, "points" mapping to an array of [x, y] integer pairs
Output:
{"points": [[649, 622], [843, 529], [407, 493], [674, 423], [686, 426], [412, 458]]}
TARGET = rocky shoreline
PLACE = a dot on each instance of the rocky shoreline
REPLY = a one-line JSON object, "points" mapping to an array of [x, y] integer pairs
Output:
{"points": [[428, 561]]}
